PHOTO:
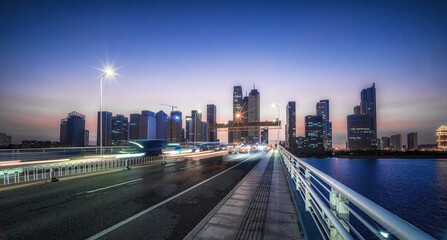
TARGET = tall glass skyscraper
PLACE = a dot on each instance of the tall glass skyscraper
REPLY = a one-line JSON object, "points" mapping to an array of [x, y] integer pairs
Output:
{"points": [[106, 129], [120, 130], [368, 107], [236, 135], [134, 126], [360, 134], [254, 106], [290, 124], [148, 125], [314, 132], [72, 131], [175, 127], [362, 125], [211, 119], [161, 119], [323, 110]]}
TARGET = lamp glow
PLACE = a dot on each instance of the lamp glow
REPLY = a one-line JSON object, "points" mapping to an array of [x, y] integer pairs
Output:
{"points": [[384, 234]]}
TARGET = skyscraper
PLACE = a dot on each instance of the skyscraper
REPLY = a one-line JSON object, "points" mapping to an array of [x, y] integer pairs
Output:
{"points": [[188, 129], [244, 131], [412, 141], [106, 129], [211, 119], [161, 119], [368, 107], [72, 131], [323, 110], [120, 130], [134, 126], [148, 125], [290, 125], [396, 142], [362, 125], [360, 133], [175, 127], [254, 115], [237, 112], [265, 135], [197, 126], [385, 143], [314, 132]]}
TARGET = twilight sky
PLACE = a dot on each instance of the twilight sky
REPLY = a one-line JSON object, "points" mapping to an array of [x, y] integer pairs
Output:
{"points": [[191, 53]]}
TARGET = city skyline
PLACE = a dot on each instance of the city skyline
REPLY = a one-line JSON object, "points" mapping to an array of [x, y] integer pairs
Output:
{"points": [[286, 55]]}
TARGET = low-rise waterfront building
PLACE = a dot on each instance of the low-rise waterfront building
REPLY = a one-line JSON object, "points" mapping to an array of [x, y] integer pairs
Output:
{"points": [[441, 137]]}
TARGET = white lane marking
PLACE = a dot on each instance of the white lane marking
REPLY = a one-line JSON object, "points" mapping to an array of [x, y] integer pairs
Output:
{"points": [[119, 184], [104, 232]]}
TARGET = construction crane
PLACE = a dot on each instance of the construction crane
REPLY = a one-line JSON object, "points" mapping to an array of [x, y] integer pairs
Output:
{"points": [[171, 106]]}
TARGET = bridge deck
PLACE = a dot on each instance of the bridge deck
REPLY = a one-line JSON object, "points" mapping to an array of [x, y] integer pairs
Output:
{"points": [[260, 207]]}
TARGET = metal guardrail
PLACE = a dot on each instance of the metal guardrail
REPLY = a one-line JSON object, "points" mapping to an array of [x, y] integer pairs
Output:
{"points": [[44, 171], [332, 215], [47, 153]]}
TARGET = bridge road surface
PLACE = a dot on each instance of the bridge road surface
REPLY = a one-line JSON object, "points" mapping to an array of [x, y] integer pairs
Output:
{"points": [[82, 208]]}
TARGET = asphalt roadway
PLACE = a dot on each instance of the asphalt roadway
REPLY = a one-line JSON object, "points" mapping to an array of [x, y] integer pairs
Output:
{"points": [[155, 202]]}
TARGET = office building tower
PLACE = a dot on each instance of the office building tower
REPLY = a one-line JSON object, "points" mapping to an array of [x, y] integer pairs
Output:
{"points": [[368, 107], [134, 126], [254, 115], [161, 118], [5, 140], [396, 142], [441, 137], [314, 132], [148, 125], [385, 143], [323, 110], [205, 132], [412, 141], [86, 137], [72, 130], [120, 130], [360, 134], [290, 125], [188, 129], [265, 135], [378, 143], [211, 119], [196, 128], [106, 129], [237, 112], [244, 120], [175, 127]]}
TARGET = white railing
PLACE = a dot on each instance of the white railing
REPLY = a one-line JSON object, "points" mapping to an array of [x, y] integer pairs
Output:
{"points": [[330, 204], [47, 171], [57, 152]]}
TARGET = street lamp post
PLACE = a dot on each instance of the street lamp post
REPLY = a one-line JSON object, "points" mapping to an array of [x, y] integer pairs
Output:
{"points": [[107, 72]]}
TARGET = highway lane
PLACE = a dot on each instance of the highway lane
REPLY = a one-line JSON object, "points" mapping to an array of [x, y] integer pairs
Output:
{"points": [[80, 208]]}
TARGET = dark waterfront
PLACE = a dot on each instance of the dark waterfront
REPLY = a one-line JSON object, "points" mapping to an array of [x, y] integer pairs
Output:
{"points": [[414, 189]]}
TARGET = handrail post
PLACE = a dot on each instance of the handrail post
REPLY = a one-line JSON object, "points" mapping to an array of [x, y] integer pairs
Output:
{"points": [[306, 191], [340, 211]]}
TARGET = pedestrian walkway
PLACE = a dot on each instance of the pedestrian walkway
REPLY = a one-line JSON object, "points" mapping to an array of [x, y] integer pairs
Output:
{"points": [[260, 207]]}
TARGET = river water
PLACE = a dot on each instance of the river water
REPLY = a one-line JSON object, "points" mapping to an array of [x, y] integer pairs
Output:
{"points": [[413, 189]]}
